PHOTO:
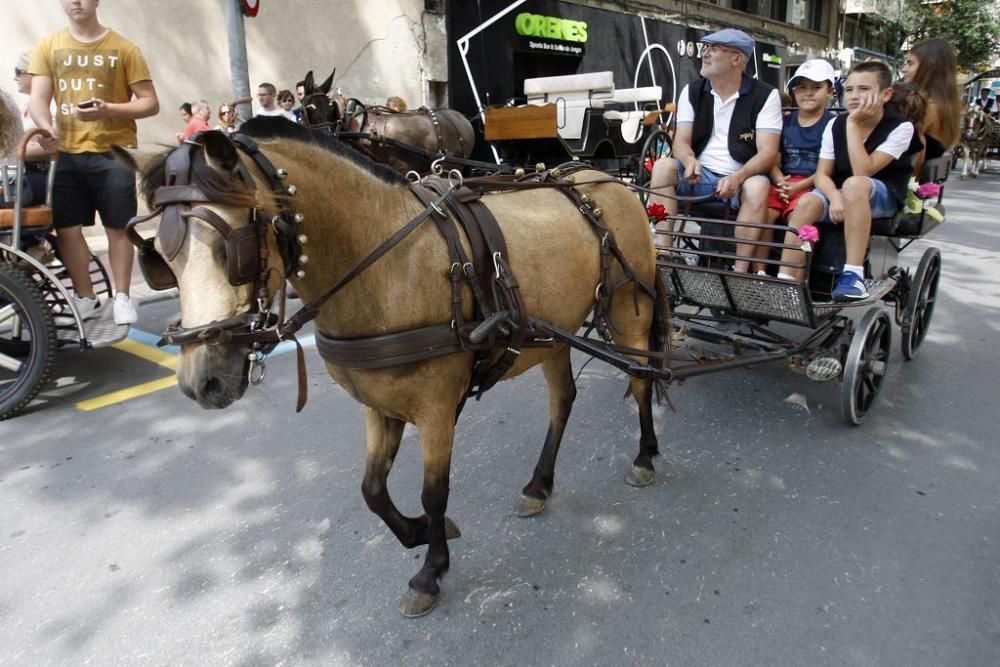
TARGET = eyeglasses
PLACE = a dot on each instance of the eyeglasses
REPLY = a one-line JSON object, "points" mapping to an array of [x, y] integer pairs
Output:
{"points": [[286, 99], [716, 48]]}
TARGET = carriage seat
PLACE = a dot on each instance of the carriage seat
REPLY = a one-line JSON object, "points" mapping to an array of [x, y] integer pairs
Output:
{"points": [[31, 216], [574, 95]]}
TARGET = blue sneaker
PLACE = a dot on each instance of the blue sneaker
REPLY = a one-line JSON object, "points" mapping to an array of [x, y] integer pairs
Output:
{"points": [[850, 287]]}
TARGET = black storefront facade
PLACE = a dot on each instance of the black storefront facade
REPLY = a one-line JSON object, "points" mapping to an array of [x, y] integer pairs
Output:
{"points": [[494, 45]]}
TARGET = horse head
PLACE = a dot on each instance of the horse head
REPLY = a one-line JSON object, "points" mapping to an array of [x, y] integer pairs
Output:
{"points": [[319, 110], [213, 214], [973, 122]]}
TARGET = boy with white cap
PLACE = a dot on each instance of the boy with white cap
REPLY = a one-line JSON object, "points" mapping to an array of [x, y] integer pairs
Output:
{"points": [[801, 138]]}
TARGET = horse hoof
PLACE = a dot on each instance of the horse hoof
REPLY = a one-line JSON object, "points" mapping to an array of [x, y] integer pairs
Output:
{"points": [[529, 506], [451, 530], [640, 477], [416, 604]]}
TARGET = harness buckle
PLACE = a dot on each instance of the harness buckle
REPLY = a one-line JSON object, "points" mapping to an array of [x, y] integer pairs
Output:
{"points": [[258, 368], [496, 263], [586, 209]]}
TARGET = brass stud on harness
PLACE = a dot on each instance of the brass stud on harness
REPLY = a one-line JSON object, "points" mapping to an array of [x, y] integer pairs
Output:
{"points": [[291, 190], [299, 218], [519, 172], [540, 167], [302, 239], [586, 198], [303, 259], [598, 212], [300, 274], [556, 173], [281, 174]]}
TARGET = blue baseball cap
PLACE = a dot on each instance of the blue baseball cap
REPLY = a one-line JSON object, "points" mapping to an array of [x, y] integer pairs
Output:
{"points": [[734, 39]]}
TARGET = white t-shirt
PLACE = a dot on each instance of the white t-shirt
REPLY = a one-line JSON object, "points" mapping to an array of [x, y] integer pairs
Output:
{"points": [[895, 144], [715, 155]]}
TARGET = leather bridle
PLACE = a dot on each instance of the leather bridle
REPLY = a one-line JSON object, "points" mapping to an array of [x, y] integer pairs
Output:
{"points": [[246, 248]]}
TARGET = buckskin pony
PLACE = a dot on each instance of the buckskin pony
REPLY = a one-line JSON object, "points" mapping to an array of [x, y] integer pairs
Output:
{"points": [[337, 214], [405, 140]]}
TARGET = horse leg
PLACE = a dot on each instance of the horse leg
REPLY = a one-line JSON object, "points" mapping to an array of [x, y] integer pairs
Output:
{"points": [[643, 473], [558, 373], [436, 439], [384, 435]]}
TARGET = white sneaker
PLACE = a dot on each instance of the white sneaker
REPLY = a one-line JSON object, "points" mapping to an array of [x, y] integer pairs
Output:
{"points": [[125, 309], [88, 309]]}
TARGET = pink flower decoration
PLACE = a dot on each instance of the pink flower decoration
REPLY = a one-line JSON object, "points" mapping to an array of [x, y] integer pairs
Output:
{"points": [[809, 233], [657, 212], [929, 190]]}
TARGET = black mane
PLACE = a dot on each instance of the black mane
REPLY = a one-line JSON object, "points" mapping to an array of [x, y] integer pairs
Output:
{"points": [[278, 127]]}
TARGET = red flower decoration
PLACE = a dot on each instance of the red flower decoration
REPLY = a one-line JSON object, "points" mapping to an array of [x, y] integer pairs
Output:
{"points": [[929, 190], [657, 212]]}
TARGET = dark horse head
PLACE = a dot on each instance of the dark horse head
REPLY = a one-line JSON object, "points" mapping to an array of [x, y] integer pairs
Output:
{"points": [[318, 109]]}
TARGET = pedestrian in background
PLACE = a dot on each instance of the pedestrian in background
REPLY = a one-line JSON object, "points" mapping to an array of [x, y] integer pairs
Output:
{"points": [[101, 85], [200, 114]]}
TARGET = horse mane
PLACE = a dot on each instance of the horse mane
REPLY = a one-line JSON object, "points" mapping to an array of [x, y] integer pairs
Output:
{"points": [[276, 127], [227, 191], [220, 188]]}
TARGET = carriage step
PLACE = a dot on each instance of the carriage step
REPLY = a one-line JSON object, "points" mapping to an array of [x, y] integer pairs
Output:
{"points": [[878, 289]]}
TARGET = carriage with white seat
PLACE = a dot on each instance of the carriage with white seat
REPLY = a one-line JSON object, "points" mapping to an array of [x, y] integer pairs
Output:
{"points": [[582, 117]]}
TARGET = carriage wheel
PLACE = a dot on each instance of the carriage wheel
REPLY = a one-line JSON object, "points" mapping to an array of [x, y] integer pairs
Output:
{"points": [[657, 145], [920, 304], [866, 365], [29, 338]]}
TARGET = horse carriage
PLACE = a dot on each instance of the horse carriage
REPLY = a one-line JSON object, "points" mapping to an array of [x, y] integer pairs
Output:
{"points": [[37, 314], [582, 117], [724, 319]]}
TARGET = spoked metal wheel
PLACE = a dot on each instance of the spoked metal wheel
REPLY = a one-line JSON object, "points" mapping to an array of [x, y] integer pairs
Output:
{"points": [[920, 304], [656, 146], [866, 365], [29, 341]]}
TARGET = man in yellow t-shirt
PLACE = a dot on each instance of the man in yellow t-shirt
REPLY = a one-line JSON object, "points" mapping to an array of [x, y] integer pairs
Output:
{"points": [[101, 85]]}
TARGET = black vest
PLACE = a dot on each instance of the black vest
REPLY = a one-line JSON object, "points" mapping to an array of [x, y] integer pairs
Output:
{"points": [[742, 127], [896, 175]]}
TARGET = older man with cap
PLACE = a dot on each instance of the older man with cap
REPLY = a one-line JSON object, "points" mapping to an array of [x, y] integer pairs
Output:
{"points": [[728, 135]]}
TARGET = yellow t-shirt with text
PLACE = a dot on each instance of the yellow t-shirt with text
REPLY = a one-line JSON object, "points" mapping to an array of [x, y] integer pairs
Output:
{"points": [[105, 69]]}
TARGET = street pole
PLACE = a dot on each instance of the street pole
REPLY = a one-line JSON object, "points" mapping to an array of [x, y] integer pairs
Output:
{"points": [[238, 69]]}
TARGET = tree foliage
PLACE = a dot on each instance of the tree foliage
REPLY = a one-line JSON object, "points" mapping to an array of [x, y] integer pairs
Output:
{"points": [[972, 27]]}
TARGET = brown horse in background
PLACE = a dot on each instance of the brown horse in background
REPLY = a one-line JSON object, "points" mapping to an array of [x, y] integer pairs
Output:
{"points": [[349, 206], [387, 135], [977, 131]]}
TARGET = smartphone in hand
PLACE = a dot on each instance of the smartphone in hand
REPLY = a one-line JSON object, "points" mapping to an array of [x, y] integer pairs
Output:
{"points": [[89, 104]]}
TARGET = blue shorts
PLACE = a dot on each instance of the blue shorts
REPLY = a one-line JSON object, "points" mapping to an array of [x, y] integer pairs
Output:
{"points": [[882, 202], [704, 187]]}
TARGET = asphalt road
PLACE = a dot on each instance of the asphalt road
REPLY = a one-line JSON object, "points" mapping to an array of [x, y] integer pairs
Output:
{"points": [[152, 532]]}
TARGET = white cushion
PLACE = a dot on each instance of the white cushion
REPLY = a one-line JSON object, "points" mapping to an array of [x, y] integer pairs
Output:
{"points": [[640, 95], [591, 81]]}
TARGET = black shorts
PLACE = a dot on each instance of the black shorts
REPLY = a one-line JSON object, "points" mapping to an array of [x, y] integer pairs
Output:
{"points": [[88, 183]]}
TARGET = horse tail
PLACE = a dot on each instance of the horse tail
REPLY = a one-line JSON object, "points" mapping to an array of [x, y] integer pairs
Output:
{"points": [[659, 337]]}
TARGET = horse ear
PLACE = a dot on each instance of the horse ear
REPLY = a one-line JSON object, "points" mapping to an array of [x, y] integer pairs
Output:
{"points": [[135, 160], [220, 153], [310, 83], [325, 86]]}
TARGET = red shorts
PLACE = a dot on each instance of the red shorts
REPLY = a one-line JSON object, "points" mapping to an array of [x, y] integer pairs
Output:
{"points": [[785, 208]]}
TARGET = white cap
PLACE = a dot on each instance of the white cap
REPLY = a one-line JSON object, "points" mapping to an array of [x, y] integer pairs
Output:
{"points": [[817, 70]]}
